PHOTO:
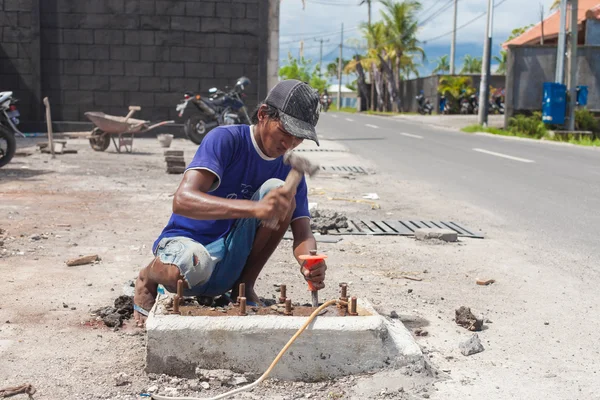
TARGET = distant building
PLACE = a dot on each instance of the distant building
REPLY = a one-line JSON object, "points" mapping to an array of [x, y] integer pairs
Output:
{"points": [[349, 96]]}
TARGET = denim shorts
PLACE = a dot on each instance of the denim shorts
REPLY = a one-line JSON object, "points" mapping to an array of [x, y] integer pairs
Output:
{"points": [[213, 269]]}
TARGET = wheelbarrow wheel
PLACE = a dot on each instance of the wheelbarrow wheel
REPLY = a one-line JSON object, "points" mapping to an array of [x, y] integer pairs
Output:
{"points": [[99, 140]]}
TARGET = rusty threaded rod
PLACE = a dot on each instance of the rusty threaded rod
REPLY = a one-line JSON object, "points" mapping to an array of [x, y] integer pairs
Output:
{"points": [[352, 307], [178, 297], [242, 301], [344, 294], [288, 307], [282, 294], [242, 290], [180, 288]]}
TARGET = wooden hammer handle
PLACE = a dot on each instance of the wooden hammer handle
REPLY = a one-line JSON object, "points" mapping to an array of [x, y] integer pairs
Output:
{"points": [[290, 185]]}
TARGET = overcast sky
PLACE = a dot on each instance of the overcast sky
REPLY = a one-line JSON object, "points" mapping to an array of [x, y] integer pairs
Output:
{"points": [[323, 19]]}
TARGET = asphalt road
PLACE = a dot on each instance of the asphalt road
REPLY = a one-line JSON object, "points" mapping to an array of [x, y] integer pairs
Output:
{"points": [[549, 192]]}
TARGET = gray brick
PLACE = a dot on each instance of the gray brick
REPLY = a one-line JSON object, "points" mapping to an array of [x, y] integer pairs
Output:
{"points": [[231, 10], [154, 84], [139, 37], [109, 98], [60, 52], [61, 20], [78, 67], [251, 12], [108, 21], [249, 26], [126, 83], [166, 69], [78, 97], [61, 83], [96, 82], [190, 24], [108, 68], [200, 8], [8, 18], [140, 99], [231, 41], [52, 68], [16, 35], [199, 39], [156, 22], [166, 99], [169, 38], [94, 52], [170, 7], [215, 25], [185, 54], [243, 56], [9, 50], [52, 36], [154, 53], [136, 68], [17, 5], [108, 36], [25, 19], [78, 36], [182, 85], [69, 113], [125, 53], [199, 70], [215, 55], [229, 70], [139, 7]]}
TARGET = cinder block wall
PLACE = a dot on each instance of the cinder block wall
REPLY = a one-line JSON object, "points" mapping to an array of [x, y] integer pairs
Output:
{"points": [[105, 55]]}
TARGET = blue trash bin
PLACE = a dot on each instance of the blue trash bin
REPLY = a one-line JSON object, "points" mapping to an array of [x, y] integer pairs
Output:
{"points": [[582, 95], [554, 105]]}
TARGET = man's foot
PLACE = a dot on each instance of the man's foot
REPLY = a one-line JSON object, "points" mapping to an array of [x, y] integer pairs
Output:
{"points": [[144, 297], [251, 296]]}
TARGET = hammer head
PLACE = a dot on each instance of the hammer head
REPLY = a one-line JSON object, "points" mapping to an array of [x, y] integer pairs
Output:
{"points": [[300, 163]]}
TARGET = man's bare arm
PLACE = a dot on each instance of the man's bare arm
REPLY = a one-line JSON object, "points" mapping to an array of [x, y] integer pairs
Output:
{"points": [[192, 200]]}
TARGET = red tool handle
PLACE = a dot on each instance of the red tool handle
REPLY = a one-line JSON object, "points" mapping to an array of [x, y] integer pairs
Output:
{"points": [[309, 263]]}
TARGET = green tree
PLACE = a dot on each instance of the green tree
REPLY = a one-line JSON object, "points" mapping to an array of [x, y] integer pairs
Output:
{"points": [[501, 62], [455, 85], [518, 32], [471, 65], [295, 69], [442, 65]]}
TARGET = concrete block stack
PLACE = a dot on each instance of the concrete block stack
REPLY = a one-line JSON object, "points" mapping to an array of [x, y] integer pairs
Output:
{"points": [[175, 161]]}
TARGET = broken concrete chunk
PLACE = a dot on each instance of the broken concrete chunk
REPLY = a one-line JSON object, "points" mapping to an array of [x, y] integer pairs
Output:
{"points": [[323, 221], [113, 320], [471, 346], [237, 380], [465, 318], [447, 235], [122, 379]]}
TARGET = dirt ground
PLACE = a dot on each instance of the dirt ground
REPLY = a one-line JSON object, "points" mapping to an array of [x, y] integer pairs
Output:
{"points": [[115, 205]]}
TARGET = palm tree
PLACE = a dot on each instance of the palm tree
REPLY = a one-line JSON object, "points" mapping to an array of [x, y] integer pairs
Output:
{"points": [[471, 65], [555, 5], [455, 85], [442, 66], [501, 62]]}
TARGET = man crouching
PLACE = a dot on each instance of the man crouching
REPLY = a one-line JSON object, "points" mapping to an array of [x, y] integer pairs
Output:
{"points": [[214, 239]]}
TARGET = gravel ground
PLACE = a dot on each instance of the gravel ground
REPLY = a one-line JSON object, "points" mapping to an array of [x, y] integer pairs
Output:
{"points": [[537, 335]]}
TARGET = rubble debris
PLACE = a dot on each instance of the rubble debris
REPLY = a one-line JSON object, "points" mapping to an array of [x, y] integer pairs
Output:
{"points": [[465, 318], [471, 346], [175, 161], [394, 315], [122, 379], [113, 316], [484, 282], [83, 260], [421, 332], [323, 221], [15, 390], [447, 235]]}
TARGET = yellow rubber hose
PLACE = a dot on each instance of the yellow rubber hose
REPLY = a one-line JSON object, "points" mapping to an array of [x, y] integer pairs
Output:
{"points": [[273, 364]]}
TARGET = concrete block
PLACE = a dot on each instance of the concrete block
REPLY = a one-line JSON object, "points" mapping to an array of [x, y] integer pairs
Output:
{"points": [[108, 68], [94, 52], [139, 38], [447, 235], [215, 25], [17, 5], [330, 347], [108, 36], [9, 50], [78, 67], [125, 53], [231, 10], [96, 82], [155, 53], [206, 40], [139, 7], [248, 26], [109, 98], [16, 34], [170, 7], [185, 54], [78, 97], [154, 84], [199, 70], [25, 19], [217, 56], [157, 22], [200, 8], [60, 52], [136, 68], [78, 36], [166, 69], [126, 83], [190, 24], [167, 38], [142, 99]]}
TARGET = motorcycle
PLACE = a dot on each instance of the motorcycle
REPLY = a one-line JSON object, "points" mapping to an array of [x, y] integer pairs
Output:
{"points": [[9, 119], [497, 105], [219, 108], [325, 102], [444, 105], [425, 106]]}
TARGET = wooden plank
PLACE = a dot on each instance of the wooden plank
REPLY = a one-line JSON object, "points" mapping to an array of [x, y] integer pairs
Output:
{"points": [[400, 228], [83, 260]]}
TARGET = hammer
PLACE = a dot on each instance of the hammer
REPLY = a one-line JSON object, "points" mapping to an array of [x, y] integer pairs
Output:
{"points": [[300, 166]]}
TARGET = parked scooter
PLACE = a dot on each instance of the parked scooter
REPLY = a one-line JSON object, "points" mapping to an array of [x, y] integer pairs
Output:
{"points": [[219, 108], [9, 119], [424, 106], [444, 105], [325, 101]]}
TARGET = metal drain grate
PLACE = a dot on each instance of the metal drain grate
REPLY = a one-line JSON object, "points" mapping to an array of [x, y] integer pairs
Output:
{"points": [[343, 169], [402, 228], [323, 150]]}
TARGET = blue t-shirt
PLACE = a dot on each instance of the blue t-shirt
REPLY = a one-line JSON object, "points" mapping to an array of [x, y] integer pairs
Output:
{"points": [[232, 154]]}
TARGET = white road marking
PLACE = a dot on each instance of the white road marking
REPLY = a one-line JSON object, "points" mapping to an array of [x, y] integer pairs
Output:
{"points": [[372, 126], [411, 135], [349, 120], [333, 116], [492, 153]]}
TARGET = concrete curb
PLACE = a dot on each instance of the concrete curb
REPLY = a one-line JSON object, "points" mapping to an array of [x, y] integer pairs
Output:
{"points": [[330, 347]]}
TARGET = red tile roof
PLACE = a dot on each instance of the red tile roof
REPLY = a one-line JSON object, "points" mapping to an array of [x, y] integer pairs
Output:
{"points": [[586, 9]]}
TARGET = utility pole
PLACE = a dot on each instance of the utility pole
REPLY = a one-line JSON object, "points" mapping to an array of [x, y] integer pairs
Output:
{"points": [[453, 45], [560, 52], [573, 66], [339, 95], [321, 56], [542, 23], [485, 67]]}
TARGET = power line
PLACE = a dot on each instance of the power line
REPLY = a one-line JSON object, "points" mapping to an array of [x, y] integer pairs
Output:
{"points": [[437, 13], [316, 37], [331, 3], [463, 25]]}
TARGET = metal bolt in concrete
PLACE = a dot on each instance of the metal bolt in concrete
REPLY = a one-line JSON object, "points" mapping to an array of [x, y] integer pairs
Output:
{"points": [[242, 301], [282, 294], [352, 307], [242, 290], [288, 307]]}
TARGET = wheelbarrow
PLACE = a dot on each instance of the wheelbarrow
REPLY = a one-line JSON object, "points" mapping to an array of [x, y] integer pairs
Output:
{"points": [[109, 126]]}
